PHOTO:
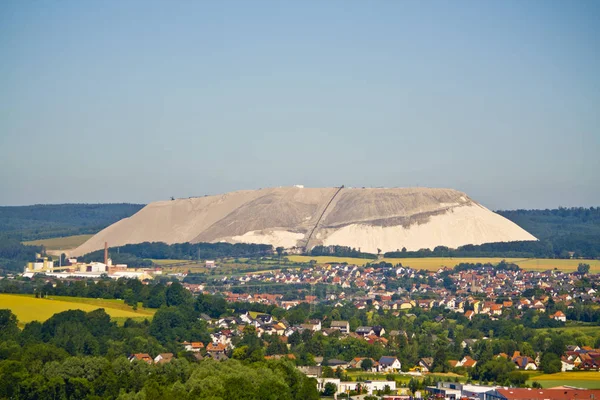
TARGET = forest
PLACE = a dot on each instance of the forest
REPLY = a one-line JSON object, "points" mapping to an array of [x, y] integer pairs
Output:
{"points": [[77, 355], [57, 220]]}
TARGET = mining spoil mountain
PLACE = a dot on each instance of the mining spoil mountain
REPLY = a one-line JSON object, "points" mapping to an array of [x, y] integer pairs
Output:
{"points": [[366, 219]]}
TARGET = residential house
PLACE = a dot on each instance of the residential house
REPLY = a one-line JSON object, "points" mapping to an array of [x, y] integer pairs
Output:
{"points": [[559, 316], [163, 358], [357, 363], [365, 331], [389, 364], [141, 357], [194, 346], [425, 364], [566, 364], [313, 325], [467, 362], [379, 330], [215, 348], [264, 318], [523, 362], [335, 363], [311, 372], [342, 326]]}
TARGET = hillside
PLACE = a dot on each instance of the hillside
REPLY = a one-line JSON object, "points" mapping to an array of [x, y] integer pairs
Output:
{"points": [[43, 221], [574, 229], [369, 219]]}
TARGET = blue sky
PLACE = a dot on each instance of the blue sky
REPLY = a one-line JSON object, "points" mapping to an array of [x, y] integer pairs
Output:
{"points": [[138, 101]]}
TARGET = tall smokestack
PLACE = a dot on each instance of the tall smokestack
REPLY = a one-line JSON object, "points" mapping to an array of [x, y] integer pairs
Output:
{"points": [[105, 253]]}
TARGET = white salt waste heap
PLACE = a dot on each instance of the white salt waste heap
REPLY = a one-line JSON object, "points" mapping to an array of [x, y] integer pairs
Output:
{"points": [[369, 219]]}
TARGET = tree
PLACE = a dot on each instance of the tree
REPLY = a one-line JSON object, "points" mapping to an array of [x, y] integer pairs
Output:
{"points": [[295, 339], [413, 385], [8, 325], [583, 269], [176, 294], [279, 251], [330, 389], [129, 298], [550, 363], [496, 370], [366, 364]]}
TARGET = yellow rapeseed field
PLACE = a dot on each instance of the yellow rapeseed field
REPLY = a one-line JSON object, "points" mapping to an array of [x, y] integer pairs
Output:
{"points": [[28, 308], [581, 379], [570, 375]]}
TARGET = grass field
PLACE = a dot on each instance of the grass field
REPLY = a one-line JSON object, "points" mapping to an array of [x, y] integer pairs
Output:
{"points": [[434, 263], [583, 379], [590, 330], [62, 243], [165, 262], [27, 308]]}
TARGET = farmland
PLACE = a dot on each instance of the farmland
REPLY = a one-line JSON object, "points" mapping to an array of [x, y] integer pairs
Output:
{"points": [[60, 243], [434, 263], [582, 379], [28, 308]]}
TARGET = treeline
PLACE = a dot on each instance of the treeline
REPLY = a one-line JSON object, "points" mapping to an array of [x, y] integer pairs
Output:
{"points": [[563, 247], [136, 253], [57, 220], [340, 251], [133, 291], [524, 249]]}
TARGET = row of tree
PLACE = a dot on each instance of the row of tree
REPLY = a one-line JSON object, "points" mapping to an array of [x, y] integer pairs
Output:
{"points": [[141, 253]]}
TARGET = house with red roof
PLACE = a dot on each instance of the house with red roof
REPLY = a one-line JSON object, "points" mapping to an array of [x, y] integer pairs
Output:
{"points": [[559, 316]]}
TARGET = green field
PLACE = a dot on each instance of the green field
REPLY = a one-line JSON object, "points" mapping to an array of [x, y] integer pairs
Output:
{"points": [[61, 243], [583, 379], [165, 262], [434, 263], [27, 308], [571, 328]]}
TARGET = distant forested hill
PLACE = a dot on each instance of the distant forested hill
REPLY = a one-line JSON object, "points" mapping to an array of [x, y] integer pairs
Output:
{"points": [[567, 229], [55, 220], [545, 224]]}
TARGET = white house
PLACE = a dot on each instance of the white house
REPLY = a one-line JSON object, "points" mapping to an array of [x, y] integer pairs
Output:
{"points": [[389, 364], [342, 326], [559, 316]]}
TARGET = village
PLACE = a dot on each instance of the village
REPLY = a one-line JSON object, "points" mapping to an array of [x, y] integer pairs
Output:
{"points": [[492, 293], [463, 295]]}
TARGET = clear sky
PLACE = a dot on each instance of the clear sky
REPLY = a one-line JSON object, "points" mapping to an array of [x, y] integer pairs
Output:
{"points": [[137, 101]]}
